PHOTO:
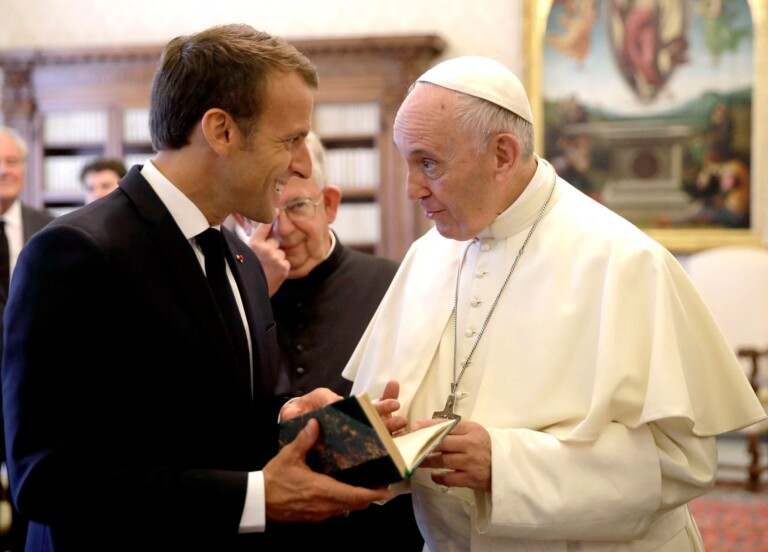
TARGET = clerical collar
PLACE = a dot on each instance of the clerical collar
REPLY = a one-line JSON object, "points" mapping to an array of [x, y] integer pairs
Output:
{"points": [[521, 214], [333, 245]]}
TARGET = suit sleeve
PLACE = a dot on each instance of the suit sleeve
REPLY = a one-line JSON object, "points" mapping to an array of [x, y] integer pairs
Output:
{"points": [[79, 394]]}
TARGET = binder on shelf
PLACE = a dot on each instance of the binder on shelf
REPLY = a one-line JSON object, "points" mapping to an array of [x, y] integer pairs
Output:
{"points": [[75, 128], [353, 168], [61, 173], [136, 126], [347, 119], [358, 223]]}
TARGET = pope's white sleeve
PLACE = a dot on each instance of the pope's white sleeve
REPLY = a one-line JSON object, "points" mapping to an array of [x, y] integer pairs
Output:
{"points": [[609, 489]]}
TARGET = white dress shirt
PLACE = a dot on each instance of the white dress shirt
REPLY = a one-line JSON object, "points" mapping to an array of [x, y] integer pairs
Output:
{"points": [[192, 222]]}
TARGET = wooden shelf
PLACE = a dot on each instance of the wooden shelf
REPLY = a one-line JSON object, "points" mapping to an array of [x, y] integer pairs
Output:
{"points": [[355, 195], [360, 141], [64, 199], [73, 149]]}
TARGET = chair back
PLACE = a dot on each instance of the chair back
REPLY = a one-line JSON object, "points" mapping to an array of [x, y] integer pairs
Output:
{"points": [[733, 280]]}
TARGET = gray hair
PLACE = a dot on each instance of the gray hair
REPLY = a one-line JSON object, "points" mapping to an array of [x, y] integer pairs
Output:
{"points": [[14, 135], [482, 120], [317, 153]]}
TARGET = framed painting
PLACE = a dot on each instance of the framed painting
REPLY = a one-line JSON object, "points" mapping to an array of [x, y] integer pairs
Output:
{"points": [[659, 110]]}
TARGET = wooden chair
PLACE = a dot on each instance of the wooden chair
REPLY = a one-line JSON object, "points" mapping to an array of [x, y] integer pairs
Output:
{"points": [[733, 280]]}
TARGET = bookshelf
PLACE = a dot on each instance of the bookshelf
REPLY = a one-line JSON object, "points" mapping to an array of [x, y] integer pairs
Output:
{"points": [[75, 104], [349, 132]]}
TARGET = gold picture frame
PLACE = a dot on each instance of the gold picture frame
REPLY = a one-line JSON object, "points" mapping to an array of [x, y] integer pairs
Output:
{"points": [[680, 241]]}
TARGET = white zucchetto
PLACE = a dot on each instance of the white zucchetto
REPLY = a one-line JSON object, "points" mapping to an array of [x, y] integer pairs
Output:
{"points": [[483, 78]]}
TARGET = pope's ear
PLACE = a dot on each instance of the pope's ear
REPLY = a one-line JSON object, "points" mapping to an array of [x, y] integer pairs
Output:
{"points": [[331, 201], [219, 130], [506, 149]]}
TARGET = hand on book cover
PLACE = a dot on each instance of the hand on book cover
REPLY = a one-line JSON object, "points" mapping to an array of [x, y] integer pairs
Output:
{"points": [[463, 458], [296, 493], [312, 400], [356, 446]]}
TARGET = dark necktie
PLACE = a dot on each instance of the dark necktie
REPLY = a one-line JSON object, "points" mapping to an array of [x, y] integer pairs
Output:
{"points": [[5, 261], [212, 243]]}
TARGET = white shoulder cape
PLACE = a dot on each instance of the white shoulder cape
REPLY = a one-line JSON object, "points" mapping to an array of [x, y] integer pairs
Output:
{"points": [[599, 324]]}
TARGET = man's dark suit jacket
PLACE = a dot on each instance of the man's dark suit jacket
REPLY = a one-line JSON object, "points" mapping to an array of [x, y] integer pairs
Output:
{"points": [[128, 425], [32, 220]]}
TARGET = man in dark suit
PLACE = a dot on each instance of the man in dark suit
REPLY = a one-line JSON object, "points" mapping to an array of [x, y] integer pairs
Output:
{"points": [[324, 295], [19, 222], [160, 434]]}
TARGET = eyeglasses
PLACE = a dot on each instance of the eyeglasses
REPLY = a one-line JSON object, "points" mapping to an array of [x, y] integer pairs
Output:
{"points": [[300, 209]]}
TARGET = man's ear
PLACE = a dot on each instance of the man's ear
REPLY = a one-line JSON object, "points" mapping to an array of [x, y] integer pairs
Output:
{"points": [[219, 130], [331, 201], [506, 150]]}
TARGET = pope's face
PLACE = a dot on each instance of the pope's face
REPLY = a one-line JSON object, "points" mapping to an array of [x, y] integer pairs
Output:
{"points": [[452, 182]]}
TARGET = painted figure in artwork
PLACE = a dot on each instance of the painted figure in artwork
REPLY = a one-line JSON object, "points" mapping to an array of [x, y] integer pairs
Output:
{"points": [[577, 21], [649, 39]]}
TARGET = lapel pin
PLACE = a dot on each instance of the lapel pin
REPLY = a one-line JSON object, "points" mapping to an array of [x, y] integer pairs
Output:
{"points": [[239, 258]]}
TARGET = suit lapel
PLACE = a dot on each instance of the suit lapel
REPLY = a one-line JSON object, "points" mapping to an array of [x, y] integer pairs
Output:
{"points": [[187, 275], [255, 296]]}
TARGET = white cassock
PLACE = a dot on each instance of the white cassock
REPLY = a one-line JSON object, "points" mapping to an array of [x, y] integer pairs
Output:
{"points": [[601, 378]]}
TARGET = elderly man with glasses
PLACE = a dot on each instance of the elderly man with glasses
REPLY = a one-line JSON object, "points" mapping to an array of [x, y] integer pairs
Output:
{"points": [[323, 296]]}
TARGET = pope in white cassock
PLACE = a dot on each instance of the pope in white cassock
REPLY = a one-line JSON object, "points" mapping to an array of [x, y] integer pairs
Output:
{"points": [[589, 375]]}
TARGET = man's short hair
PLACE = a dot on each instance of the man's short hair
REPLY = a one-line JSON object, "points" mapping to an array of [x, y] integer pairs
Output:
{"points": [[14, 135], [226, 67], [317, 152], [104, 164]]}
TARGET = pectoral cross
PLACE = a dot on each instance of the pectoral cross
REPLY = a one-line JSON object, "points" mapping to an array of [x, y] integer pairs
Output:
{"points": [[447, 412]]}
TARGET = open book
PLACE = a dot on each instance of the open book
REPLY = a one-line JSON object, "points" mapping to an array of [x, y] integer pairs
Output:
{"points": [[355, 446]]}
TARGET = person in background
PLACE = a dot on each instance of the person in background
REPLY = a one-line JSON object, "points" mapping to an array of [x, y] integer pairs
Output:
{"points": [[323, 296], [589, 376], [161, 434], [18, 222], [100, 176]]}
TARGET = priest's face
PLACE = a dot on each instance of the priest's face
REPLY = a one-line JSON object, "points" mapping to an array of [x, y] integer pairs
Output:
{"points": [[301, 225], [453, 183]]}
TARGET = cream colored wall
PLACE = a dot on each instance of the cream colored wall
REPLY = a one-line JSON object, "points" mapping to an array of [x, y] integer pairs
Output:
{"points": [[484, 27]]}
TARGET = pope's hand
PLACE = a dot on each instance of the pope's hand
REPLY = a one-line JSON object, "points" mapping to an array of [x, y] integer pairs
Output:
{"points": [[387, 405], [463, 458]]}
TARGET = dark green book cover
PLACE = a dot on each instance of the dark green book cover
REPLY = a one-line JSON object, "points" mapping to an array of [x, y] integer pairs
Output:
{"points": [[354, 445], [348, 448]]}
